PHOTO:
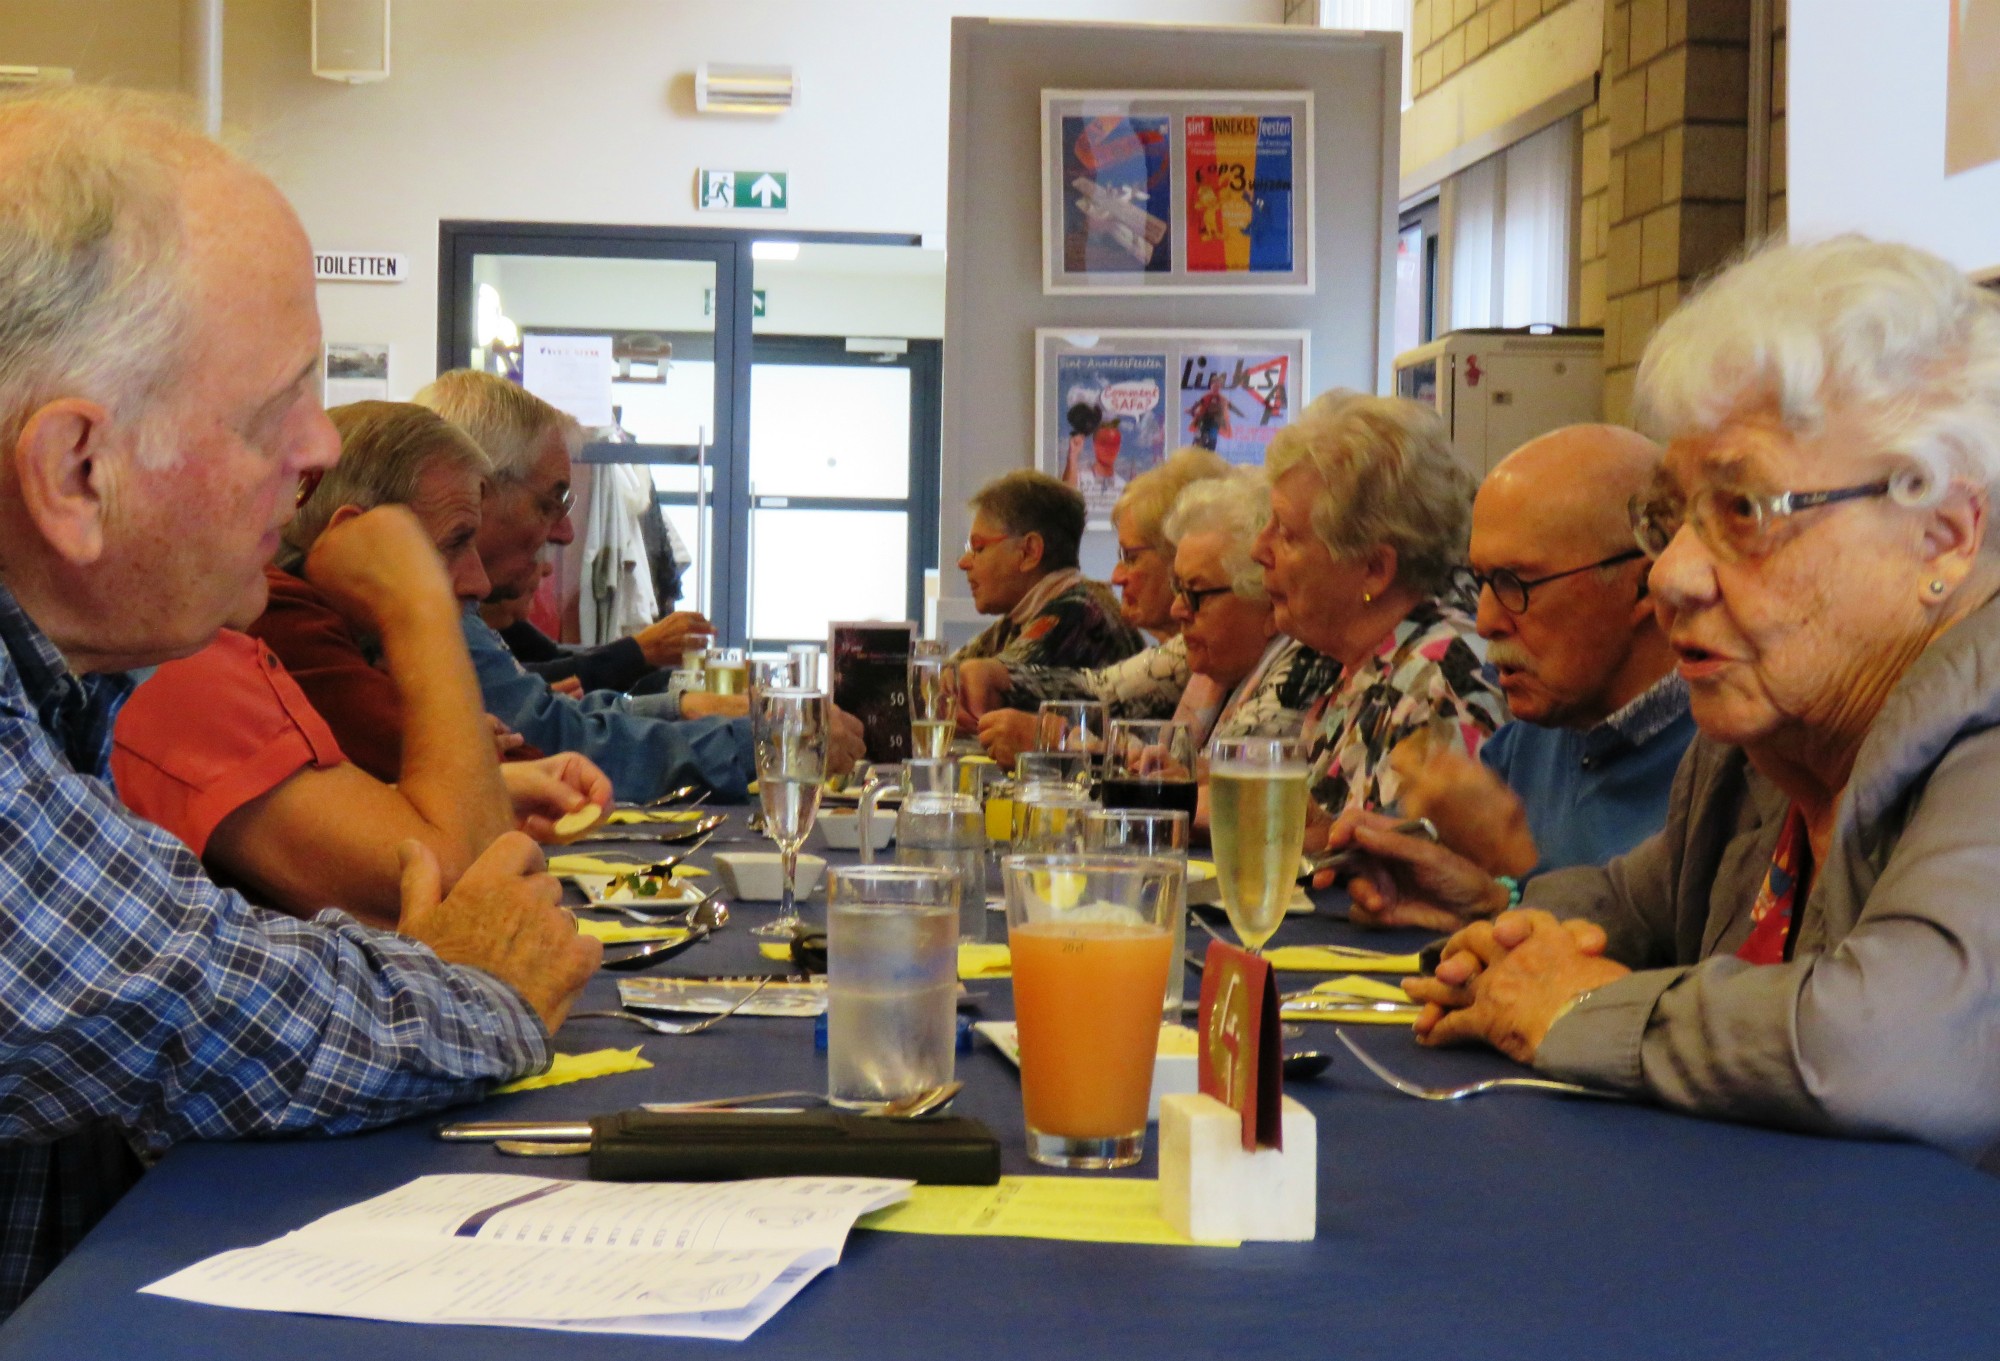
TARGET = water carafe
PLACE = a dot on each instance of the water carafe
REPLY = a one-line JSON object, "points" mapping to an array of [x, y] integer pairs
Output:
{"points": [[937, 824]]}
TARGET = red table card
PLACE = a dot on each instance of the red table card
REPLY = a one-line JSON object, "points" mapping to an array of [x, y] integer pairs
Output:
{"points": [[1240, 1050]]}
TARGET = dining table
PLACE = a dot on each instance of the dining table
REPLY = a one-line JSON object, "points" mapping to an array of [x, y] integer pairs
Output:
{"points": [[1510, 1224]]}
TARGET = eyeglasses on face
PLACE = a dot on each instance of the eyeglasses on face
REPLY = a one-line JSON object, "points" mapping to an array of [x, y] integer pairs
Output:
{"points": [[1192, 598], [1129, 557], [1735, 524], [979, 543], [1511, 590], [555, 504]]}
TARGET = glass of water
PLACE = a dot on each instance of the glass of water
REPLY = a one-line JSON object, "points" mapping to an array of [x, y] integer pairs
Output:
{"points": [[788, 729], [933, 707], [1160, 834], [1072, 730], [891, 982]]}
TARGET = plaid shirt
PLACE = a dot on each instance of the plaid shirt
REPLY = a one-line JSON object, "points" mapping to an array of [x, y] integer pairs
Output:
{"points": [[140, 1003]]}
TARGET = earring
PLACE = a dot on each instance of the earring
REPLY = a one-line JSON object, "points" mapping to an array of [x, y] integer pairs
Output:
{"points": [[1368, 597], [1937, 588]]}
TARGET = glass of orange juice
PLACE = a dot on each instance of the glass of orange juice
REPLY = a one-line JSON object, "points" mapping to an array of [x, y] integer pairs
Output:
{"points": [[1091, 938]]}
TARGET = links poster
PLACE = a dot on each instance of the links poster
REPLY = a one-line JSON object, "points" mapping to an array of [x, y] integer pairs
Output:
{"points": [[1233, 403], [1239, 193]]}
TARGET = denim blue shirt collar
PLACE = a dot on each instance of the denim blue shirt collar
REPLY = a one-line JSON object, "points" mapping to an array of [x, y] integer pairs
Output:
{"points": [[1642, 719]]}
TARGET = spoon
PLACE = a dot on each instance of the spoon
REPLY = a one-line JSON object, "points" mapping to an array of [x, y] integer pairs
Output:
{"points": [[1306, 1064], [676, 795], [902, 1108], [705, 920]]}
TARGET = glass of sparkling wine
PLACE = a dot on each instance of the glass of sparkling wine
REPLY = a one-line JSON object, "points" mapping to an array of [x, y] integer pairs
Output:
{"points": [[933, 707], [1257, 822], [728, 673], [1091, 937], [788, 729], [891, 982]]}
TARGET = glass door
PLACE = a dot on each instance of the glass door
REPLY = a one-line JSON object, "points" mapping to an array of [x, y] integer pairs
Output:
{"points": [[672, 309]]}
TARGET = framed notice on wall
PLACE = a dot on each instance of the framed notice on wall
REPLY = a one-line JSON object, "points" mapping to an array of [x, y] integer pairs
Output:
{"points": [[1111, 404], [1197, 192]]}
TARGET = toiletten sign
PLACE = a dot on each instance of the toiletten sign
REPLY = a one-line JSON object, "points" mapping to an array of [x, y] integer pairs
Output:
{"points": [[762, 191], [360, 267]]}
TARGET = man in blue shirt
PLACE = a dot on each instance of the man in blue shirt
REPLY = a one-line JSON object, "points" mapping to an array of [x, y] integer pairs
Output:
{"points": [[527, 507], [1600, 715], [159, 405]]}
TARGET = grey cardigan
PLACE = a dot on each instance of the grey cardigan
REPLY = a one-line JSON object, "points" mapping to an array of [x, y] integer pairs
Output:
{"points": [[1887, 1021]]}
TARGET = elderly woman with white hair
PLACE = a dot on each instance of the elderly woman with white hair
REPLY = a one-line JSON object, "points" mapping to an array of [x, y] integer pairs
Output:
{"points": [[1249, 679], [1812, 939], [1370, 512]]}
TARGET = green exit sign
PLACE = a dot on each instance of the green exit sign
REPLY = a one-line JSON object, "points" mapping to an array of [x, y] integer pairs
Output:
{"points": [[761, 191], [756, 302]]}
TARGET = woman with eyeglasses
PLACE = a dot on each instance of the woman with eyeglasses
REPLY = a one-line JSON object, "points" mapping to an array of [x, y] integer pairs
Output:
{"points": [[1812, 940], [1369, 517], [1148, 683]]}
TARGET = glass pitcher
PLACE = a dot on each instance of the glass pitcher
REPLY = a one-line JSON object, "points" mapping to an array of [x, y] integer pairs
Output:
{"points": [[939, 825]]}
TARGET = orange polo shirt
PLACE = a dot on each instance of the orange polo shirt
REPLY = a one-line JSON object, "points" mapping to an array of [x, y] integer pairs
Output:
{"points": [[207, 734]]}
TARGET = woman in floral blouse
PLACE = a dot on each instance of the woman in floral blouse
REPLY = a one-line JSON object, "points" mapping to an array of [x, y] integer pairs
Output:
{"points": [[1369, 517]]}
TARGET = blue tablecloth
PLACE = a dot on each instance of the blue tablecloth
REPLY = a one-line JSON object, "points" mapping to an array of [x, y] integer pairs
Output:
{"points": [[1506, 1226]]}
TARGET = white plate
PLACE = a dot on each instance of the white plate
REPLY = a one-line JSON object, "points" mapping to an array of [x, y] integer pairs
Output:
{"points": [[596, 887]]}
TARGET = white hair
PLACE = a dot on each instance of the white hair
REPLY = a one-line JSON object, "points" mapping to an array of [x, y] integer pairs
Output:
{"points": [[504, 419], [1870, 335], [1236, 506], [95, 291]]}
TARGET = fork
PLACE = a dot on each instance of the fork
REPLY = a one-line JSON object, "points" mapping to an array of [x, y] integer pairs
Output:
{"points": [[660, 1027], [1408, 1088]]}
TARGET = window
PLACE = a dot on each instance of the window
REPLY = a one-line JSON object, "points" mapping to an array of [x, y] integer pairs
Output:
{"points": [[1511, 222]]}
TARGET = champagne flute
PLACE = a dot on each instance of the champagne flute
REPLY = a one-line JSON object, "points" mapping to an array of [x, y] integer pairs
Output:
{"points": [[933, 706], [1257, 822], [789, 731]]}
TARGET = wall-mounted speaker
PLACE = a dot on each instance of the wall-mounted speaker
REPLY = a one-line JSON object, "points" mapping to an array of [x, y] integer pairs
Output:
{"points": [[351, 40]]}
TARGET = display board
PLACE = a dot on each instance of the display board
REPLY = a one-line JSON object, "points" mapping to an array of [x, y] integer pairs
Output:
{"points": [[1893, 125], [1208, 193]]}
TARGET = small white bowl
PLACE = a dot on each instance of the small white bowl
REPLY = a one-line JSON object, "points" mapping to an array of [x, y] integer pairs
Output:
{"points": [[759, 876], [842, 828]]}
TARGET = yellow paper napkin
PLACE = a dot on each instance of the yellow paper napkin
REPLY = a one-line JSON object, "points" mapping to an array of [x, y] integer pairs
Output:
{"points": [[1361, 989], [1077, 1209], [589, 864], [618, 933], [985, 961], [569, 1068], [775, 949], [627, 816], [1334, 958]]}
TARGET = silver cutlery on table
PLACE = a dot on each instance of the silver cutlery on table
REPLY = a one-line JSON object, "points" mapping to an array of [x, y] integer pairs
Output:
{"points": [[665, 1027], [710, 917], [1465, 1089]]}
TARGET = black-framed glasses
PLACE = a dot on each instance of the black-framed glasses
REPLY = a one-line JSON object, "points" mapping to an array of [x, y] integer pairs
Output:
{"points": [[1734, 523], [1511, 590], [1191, 598]]}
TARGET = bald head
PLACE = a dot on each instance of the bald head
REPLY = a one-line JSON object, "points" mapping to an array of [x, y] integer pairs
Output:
{"points": [[1570, 488], [1552, 518]]}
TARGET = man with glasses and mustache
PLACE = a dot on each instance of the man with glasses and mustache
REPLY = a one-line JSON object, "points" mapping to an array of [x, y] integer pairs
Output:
{"points": [[1600, 717]]}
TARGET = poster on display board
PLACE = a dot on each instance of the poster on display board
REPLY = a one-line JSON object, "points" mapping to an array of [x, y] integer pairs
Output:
{"points": [[1178, 190], [1111, 404]]}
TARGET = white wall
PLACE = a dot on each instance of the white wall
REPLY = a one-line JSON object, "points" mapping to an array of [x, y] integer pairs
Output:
{"points": [[582, 111], [1866, 128]]}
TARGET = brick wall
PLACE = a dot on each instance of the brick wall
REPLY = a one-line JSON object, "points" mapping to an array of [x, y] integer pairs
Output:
{"points": [[1446, 35]]}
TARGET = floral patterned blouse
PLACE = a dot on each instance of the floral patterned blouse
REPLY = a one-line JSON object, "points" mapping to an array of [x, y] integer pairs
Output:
{"points": [[1427, 674], [1079, 625], [1145, 685]]}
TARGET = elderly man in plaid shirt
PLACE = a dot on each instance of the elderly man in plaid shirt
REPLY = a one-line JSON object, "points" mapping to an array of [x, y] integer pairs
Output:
{"points": [[159, 403]]}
